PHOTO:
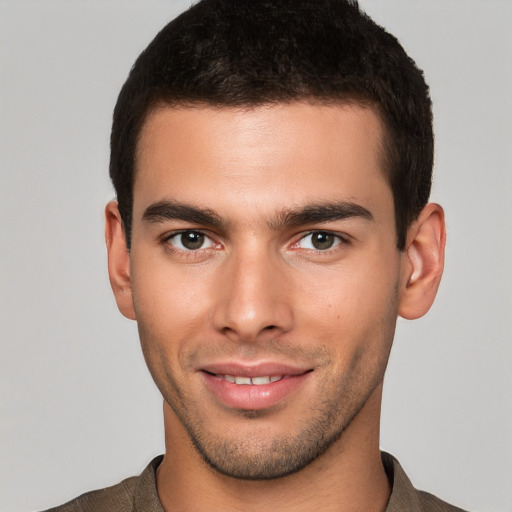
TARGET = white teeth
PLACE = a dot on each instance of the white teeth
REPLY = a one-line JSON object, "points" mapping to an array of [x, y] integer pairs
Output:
{"points": [[260, 380], [243, 380], [256, 381]]}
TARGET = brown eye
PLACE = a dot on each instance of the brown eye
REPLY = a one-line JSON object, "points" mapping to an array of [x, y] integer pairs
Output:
{"points": [[320, 241], [190, 241]]}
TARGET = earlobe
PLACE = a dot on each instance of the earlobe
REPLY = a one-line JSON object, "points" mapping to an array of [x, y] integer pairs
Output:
{"points": [[424, 262], [118, 260]]}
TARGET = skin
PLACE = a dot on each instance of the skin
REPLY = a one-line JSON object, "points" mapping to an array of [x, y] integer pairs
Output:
{"points": [[256, 290]]}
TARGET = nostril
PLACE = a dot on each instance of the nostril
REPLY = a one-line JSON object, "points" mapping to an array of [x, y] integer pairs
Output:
{"points": [[269, 327]]}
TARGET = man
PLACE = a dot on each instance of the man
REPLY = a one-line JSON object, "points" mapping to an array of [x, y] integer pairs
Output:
{"points": [[272, 162]]}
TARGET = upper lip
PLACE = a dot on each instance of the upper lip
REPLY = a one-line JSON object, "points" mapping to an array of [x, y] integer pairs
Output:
{"points": [[251, 370]]}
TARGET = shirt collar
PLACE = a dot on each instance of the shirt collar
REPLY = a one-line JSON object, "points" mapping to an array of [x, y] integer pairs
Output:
{"points": [[403, 495]]}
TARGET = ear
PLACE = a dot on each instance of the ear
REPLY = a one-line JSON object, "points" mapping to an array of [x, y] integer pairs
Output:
{"points": [[118, 260], [424, 262]]}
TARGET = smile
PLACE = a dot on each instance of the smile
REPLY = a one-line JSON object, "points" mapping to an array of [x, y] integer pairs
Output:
{"points": [[258, 389], [254, 381]]}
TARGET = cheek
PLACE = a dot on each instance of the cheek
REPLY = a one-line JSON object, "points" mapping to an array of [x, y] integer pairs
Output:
{"points": [[347, 294], [169, 304], [169, 315], [159, 358], [352, 310]]}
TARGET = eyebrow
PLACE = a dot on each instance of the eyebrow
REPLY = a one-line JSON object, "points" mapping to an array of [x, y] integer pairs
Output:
{"points": [[308, 214], [171, 210], [322, 212]]}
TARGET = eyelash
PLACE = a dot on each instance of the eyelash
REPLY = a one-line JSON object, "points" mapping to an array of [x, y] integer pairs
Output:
{"points": [[184, 250], [338, 242]]}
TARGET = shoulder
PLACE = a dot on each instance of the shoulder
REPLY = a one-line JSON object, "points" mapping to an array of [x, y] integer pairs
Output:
{"points": [[405, 497], [134, 494], [117, 498], [431, 503]]}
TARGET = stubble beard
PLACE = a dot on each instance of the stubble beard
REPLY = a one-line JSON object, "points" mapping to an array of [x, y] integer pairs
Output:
{"points": [[277, 457], [264, 458]]}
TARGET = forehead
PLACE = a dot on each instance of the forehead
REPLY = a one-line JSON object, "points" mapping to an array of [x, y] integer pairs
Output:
{"points": [[293, 153]]}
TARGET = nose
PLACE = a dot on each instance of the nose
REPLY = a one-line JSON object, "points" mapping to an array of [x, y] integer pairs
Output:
{"points": [[254, 300]]}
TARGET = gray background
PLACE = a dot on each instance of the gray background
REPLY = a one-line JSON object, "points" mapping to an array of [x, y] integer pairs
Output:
{"points": [[78, 408]]}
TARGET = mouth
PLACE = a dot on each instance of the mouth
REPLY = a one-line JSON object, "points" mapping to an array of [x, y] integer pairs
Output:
{"points": [[254, 388], [250, 381]]}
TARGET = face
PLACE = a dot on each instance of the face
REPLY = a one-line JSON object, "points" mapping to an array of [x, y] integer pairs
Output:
{"points": [[265, 277]]}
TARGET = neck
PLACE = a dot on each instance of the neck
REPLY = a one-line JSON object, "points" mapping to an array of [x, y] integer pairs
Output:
{"points": [[349, 476]]}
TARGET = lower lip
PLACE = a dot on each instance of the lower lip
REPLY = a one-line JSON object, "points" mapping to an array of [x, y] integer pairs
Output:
{"points": [[250, 396]]}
